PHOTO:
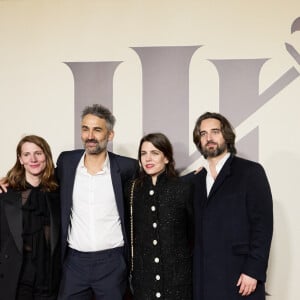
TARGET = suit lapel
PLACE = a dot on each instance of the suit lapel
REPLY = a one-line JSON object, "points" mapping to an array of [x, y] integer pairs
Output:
{"points": [[72, 174], [224, 173], [69, 167], [13, 210], [202, 187], [117, 184]]}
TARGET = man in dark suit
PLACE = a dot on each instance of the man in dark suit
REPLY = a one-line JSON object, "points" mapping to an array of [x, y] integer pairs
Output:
{"points": [[233, 217], [92, 211]]}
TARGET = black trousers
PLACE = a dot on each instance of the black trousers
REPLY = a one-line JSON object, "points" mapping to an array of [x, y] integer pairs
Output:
{"points": [[26, 287], [99, 275]]}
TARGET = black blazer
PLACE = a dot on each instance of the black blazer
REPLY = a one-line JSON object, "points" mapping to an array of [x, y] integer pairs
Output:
{"points": [[233, 231], [11, 243], [122, 169]]}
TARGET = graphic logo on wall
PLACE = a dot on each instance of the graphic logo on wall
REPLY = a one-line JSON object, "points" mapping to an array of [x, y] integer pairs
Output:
{"points": [[165, 85]]}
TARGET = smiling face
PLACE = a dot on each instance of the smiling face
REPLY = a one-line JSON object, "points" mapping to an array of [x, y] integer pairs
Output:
{"points": [[33, 159], [211, 138], [153, 161], [94, 134]]}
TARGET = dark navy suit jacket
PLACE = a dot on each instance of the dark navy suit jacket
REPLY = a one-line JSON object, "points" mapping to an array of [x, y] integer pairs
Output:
{"points": [[122, 169], [233, 230]]}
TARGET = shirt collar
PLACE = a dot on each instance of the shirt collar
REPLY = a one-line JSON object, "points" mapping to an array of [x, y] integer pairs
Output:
{"points": [[106, 165], [219, 165]]}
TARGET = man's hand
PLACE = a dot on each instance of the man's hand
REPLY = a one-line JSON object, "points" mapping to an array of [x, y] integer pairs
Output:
{"points": [[247, 285], [198, 170], [3, 185]]}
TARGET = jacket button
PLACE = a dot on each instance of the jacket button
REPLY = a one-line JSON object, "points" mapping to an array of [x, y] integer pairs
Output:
{"points": [[6, 256]]}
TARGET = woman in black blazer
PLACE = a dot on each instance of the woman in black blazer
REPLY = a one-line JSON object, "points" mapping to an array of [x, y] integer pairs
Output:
{"points": [[30, 225]]}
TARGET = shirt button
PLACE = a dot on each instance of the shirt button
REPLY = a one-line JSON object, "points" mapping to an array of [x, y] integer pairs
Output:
{"points": [[154, 242], [151, 192], [156, 260], [158, 295], [157, 277], [153, 208], [154, 225]]}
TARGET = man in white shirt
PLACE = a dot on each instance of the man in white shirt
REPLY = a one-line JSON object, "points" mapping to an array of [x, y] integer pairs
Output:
{"points": [[233, 217], [92, 212]]}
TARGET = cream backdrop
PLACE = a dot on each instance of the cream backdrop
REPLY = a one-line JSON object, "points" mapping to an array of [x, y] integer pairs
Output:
{"points": [[37, 88]]}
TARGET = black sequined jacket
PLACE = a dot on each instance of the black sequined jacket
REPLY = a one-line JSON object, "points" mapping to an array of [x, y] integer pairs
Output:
{"points": [[162, 230]]}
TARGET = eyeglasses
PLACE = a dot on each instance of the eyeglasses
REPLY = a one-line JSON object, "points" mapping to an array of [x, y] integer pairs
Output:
{"points": [[215, 131]]}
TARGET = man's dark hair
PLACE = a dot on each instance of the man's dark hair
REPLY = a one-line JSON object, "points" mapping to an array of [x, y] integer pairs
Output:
{"points": [[101, 112], [226, 129]]}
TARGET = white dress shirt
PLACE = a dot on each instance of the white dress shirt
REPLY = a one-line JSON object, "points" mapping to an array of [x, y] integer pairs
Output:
{"points": [[95, 221], [209, 178]]}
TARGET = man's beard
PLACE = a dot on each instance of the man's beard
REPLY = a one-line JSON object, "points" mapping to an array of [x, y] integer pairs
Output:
{"points": [[98, 148], [210, 153]]}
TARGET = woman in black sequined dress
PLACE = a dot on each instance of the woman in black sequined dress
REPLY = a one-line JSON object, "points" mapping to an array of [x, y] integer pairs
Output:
{"points": [[30, 225], [161, 225]]}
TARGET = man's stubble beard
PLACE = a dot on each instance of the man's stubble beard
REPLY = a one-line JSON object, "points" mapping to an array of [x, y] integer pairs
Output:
{"points": [[98, 149], [220, 149]]}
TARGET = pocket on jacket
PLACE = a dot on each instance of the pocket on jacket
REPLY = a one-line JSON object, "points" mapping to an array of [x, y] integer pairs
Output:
{"points": [[240, 249]]}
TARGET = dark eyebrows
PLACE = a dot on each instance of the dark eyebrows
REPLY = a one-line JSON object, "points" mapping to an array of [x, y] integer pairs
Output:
{"points": [[154, 151], [214, 130], [210, 129], [93, 128]]}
